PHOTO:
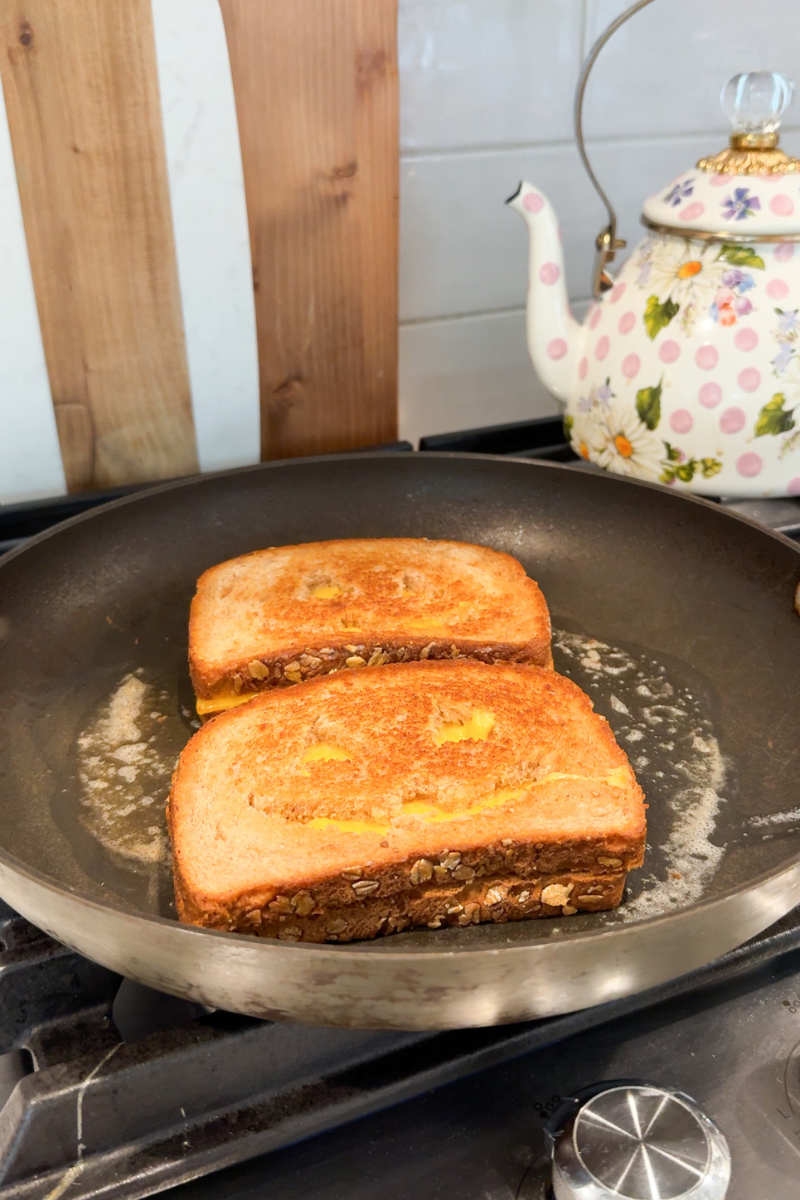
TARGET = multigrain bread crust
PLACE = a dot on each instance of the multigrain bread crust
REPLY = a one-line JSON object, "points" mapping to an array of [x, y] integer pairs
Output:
{"points": [[291, 613], [369, 801]]}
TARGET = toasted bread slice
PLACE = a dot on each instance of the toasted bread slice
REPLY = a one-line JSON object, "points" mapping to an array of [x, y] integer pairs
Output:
{"points": [[292, 613], [434, 793]]}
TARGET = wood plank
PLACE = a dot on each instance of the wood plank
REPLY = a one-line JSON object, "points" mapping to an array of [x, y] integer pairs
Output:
{"points": [[316, 96], [82, 95]]}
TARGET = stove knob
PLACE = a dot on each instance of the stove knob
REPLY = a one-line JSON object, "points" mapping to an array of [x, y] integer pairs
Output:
{"points": [[637, 1142]]}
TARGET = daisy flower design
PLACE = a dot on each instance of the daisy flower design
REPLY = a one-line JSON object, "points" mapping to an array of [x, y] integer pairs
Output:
{"points": [[682, 276], [626, 445]]}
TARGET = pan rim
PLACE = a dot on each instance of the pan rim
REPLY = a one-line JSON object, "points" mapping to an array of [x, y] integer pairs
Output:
{"points": [[344, 952]]}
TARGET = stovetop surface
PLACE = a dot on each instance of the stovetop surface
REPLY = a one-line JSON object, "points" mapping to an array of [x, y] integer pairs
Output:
{"points": [[735, 1048]]}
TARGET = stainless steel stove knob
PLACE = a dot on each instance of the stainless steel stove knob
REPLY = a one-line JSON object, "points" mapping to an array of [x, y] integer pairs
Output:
{"points": [[639, 1143]]}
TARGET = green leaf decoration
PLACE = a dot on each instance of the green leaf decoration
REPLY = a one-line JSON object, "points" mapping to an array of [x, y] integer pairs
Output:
{"points": [[657, 316], [710, 467], [673, 455], [774, 418], [648, 405], [685, 471], [740, 256], [568, 423]]}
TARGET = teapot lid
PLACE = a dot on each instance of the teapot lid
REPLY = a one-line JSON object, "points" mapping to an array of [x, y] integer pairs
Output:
{"points": [[750, 191]]}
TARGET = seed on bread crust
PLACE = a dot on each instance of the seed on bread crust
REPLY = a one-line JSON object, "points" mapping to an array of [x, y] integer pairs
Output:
{"points": [[366, 887], [337, 925], [352, 874], [303, 904], [281, 904], [495, 895], [257, 670], [610, 862], [556, 894], [421, 872], [463, 874], [355, 660], [290, 933]]}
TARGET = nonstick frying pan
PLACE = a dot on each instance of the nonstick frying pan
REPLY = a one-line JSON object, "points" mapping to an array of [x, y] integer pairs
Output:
{"points": [[673, 581]]}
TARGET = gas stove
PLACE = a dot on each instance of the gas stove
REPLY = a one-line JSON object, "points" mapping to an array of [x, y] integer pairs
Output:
{"points": [[110, 1089]]}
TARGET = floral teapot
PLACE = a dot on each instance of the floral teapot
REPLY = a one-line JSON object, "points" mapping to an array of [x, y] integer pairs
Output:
{"points": [[687, 368]]}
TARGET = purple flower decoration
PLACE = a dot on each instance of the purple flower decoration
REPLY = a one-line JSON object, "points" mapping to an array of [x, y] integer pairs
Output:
{"points": [[782, 359], [604, 394], [585, 404], [740, 205], [743, 306], [681, 190], [788, 322]]}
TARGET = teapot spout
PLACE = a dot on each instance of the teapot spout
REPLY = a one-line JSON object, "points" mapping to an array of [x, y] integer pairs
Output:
{"points": [[555, 338]]}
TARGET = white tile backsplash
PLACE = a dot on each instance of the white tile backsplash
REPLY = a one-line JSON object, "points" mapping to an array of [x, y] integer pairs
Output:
{"points": [[463, 251], [486, 92], [663, 71], [467, 372], [483, 72]]}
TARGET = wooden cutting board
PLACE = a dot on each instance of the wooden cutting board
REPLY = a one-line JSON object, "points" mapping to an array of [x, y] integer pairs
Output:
{"points": [[315, 86]]}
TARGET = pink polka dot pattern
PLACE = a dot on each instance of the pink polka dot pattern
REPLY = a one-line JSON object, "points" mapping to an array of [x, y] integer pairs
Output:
{"points": [[616, 292], [777, 289], [706, 357], [626, 322], [793, 486], [601, 349], [681, 420], [746, 339], [784, 251], [719, 180], [549, 273], [748, 465], [749, 379], [557, 348], [595, 317], [670, 352], [631, 365], [583, 368], [710, 395], [533, 202], [693, 211], [782, 206], [732, 420]]}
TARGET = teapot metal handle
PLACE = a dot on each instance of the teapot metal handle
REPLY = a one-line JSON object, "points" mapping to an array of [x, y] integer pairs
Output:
{"points": [[607, 241]]}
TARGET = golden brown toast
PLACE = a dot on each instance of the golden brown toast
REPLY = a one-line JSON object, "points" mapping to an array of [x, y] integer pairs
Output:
{"points": [[436, 793], [292, 613]]}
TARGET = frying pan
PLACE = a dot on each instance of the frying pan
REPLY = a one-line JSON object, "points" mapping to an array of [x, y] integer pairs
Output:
{"points": [[672, 579]]}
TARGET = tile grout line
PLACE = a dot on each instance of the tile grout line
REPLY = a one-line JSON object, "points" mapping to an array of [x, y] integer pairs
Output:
{"points": [[614, 141], [511, 310]]}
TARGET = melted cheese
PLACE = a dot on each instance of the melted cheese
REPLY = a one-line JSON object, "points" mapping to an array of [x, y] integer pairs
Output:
{"points": [[346, 826], [221, 703], [476, 729], [326, 591], [432, 814], [325, 752]]}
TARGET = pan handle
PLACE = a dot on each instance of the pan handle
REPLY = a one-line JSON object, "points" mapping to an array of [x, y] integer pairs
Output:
{"points": [[607, 241]]}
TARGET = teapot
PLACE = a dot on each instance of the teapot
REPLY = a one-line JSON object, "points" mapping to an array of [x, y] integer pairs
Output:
{"points": [[686, 370]]}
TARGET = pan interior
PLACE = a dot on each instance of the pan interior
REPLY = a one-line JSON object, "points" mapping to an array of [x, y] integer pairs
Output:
{"points": [[676, 618]]}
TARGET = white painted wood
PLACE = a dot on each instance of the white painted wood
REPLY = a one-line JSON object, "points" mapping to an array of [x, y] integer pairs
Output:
{"points": [[486, 72], [30, 458], [211, 234]]}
